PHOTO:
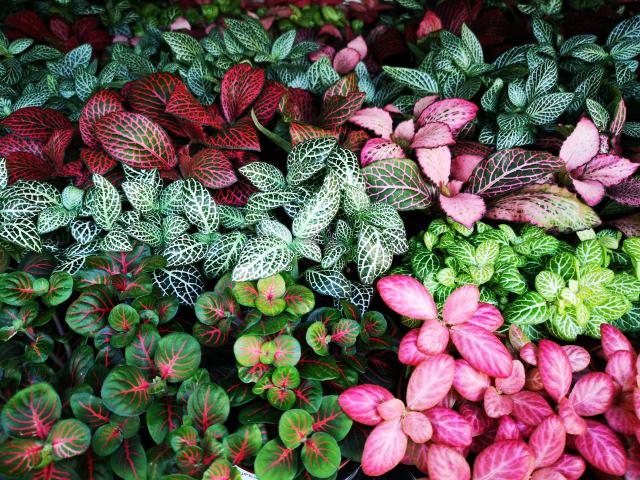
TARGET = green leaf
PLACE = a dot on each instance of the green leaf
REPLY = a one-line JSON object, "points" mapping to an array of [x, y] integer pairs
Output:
{"points": [[104, 204], [549, 285], [31, 412], [185, 47], [88, 314], [531, 308], [282, 45], [548, 108], [89, 409], [208, 405], [287, 351], [316, 337], [123, 318], [276, 462], [177, 357], [69, 438], [125, 391], [129, 462], [320, 455], [294, 427], [18, 457], [299, 300]]}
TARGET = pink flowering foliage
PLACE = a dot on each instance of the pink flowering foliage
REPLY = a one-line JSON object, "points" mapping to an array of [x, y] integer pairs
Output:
{"points": [[475, 409]]}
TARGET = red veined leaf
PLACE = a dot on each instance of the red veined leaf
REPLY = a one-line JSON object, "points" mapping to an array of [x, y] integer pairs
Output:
{"points": [[189, 459], [505, 460], [308, 395], [417, 427], [130, 460], [571, 466], [182, 437], [355, 140], [613, 340], [97, 161], [592, 394], [547, 441], [469, 382], [445, 463], [247, 350], [320, 455], [88, 314], [299, 300], [136, 141], [139, 353], [287, 351], [243, 444], [209, 404], [331, 419], [266, 104], [183, 105], [276, 462], [578, 357], [19, 288], [297, 105], [151, 95], [56, 147], [209, 308], [600, 446], [344, 86], [240, 136], [430, 382], [177, 357], [407, 296], [345, 332], [123, 318], [211, 167], [69, 438], [408, 352], [361, 403], [220, 469], [31, 412], [301, 132], [163, 416], [125, 391], [386, 437], [99, 105], [236, 195], [240, 86], [482, 349], [26, 166], [294, 427], [555, 369], [89, 409], [530, 408], [20, 456], [337, 110], [11, 143], [449, 427], [36, 123]]}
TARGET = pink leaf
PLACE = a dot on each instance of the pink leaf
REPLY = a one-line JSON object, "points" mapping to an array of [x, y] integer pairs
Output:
{"points": [[482, 350], [346, 60], [574, 424], [416, 454], [496, 405], [486, 316], [571, 466], [581, 146], [555, 369], [636, 400], [508, 429], [435, 164], [430, 23], [433, 337], [359, 45], [622, 420], [606, 169], [361, 403], [578, 357], [375, 119], [432, 135], [463, 165], [613, 340], [408, 352], [547, 441], [529, 353], [445, 463], [423, 103], [469, 382], [404, 132], [454, 112], [407, 296], [417, 427], [622, 369], [592, 394], [391, 409], [476, 417], [464, 208], [379, 149], [590, 190], [600, 446], [514, 382], [633, 463], [461, 304], [449, 427], [389, 438], [547, 474], [506, 460], [430, 382], [530, 407]]}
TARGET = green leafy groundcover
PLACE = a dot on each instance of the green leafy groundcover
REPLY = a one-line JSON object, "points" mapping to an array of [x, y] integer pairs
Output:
{"points": [[201, 205]]}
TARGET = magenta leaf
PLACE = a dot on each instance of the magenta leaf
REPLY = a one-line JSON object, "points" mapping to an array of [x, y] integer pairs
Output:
{"points": [[431, 136], [407, 296], [430, 382], [592, 394], [508, 429], [433, 338], [571, 466], [361, 403], [514, 382], [579, 357], [391, 409], [574, 424], [389, 438], [446, 463], [469, 382], [461, 304], [495, 404], [483, 350], [555, 369], [600, 446], [486, 316], [417, 427], [375, 119], [622, 369], [435, 164], [505, 460], [547, 441], [449, 427]]}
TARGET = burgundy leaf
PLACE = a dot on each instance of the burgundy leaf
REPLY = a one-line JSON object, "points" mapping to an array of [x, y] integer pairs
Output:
{"points": [[56, 147], [241, 136], [26, 166], [183, 105], [12, 143], [337, 110]]}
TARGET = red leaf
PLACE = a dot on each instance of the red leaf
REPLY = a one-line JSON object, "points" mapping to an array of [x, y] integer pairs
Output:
{"points": [[446, 463], [99, 105], [449, 427], [97, 161], [211, 167], [241, 136], [266, 104], [482, 350], [26, 166], [36, 123], [389, 438], [11, 143], [241, 85], [407, 296], [469, 382], [554, 368], [592, 394], [183, 105], [547, 441], [430, 382], [361, 403], [57, 146], [136, 141], [505, 460], [600, 446]]}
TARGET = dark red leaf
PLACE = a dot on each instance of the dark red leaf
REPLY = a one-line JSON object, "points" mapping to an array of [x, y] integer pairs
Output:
{"points": [[236, 195], [57, 146], [97, 161], [183, 105], [26, 166], [337, 110], [11, 143]]}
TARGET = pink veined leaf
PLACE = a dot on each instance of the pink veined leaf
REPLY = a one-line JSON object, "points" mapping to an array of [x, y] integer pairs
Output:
{"points": [[430, 382], [408, 352], [240, 86], [508, 429], [613, 340], [446, 463], [600, 446], [375, 119], [486, 316], [483, 350], [454, 112], [578, 357], [530, 407], [582, 145], [555, 369], [380, 149], [626, 192], [389, 438], [547, 474], [476, 417], [547, 441], [464, 208], [571, 466], [606, 169], [574, 424], [495, 404], [435, 164], [621, 420], [405, 131], [407, 296], [469, 382], [462, 166], [361, 403], [433, 135], [417, 427], [423, 103], [514, 382], [433, 338], [622, 369], [592, 394], [461, 305], [529, 353], [391, 409], [449, 427], [591, 191], [505, 460]]}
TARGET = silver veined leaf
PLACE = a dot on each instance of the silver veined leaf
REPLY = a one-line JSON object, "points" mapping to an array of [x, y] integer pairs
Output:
{"points": [[318, 212], [262, 257], [223, 254], [185, 283], [104, 203], [373, 256], [199, 207]]}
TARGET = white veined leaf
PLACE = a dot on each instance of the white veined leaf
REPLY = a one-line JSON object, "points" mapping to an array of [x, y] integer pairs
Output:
{"points": [[223, 254], [263, 176], [173, 226], [628, 29], [344, 163], [487, 252], [328, 282], [184, 250], [308, 158], [171, 198], [83, 230], [282, 45], [185, 283], [531, 308], [41, 194], [318, 212], [548, 108], [549, 284], [146, 232], [373, 257], [304, 248], [141, 196], [273, 228], [472, 44], [4, 174], [542, 79], [598, 114], [417, 80], [116, 241], [23, 233], [199, 207], [185, 47], [52, 218], [262, 257], [104, 203]]}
